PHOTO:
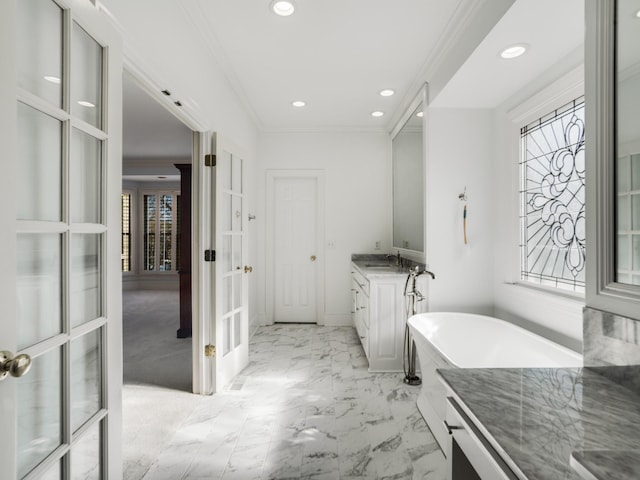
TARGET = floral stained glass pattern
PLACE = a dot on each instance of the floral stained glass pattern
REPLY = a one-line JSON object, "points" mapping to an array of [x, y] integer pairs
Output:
{"points": [[553, 199]]}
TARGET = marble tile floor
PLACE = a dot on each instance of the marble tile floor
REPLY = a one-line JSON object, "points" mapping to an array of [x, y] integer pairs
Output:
{"points": [[304, 408]]}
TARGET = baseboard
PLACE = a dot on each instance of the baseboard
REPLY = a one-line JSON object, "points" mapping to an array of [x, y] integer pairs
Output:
{"points": [[150, 282]]}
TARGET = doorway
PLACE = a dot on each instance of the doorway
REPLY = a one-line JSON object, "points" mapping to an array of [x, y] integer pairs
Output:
{"points": [[157, 350], [295, 237], [156, 148]]}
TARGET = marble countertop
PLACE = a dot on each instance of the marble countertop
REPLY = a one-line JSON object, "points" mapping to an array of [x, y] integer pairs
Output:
{"points": [[607, 464], [381, 264], [551, 423]]}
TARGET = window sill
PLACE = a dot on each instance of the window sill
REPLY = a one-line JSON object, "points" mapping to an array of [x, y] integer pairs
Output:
{"points": [[556, 292]]}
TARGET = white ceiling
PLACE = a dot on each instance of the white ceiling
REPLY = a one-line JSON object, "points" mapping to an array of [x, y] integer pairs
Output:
{"points": [[338, 54], [334, 54], [552, 29]]}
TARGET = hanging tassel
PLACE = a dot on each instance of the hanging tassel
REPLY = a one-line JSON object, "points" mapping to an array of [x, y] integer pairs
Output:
{"points": [[464, 223]]}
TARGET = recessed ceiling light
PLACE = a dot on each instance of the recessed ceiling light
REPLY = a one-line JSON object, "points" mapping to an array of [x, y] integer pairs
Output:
{"points": [[52, 79], [638, 14], [84, 103], [514, 51], [298, 103], [420, 114], [377, 113], [387, 92], [284, 8]]}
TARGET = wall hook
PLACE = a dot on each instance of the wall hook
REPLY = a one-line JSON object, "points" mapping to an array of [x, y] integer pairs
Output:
{"points": [[463, 196], [252, 217]]}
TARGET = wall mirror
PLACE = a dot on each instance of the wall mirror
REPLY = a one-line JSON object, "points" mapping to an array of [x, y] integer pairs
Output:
{"points": [[408, 181], [627, 142]]}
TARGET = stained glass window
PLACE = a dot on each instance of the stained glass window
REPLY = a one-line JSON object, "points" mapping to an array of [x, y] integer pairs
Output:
{"points": [[552, 196]]}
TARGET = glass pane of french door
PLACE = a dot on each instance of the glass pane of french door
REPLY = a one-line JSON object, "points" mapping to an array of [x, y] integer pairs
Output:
{"points": [[232, 281], [61, 227]]}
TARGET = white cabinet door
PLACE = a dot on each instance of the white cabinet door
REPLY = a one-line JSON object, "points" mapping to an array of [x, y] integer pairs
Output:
{"points": [[60, 291]]}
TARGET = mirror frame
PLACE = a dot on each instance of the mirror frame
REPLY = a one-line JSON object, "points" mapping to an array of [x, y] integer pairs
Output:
{"points": [[602, 291], [421, 97]]}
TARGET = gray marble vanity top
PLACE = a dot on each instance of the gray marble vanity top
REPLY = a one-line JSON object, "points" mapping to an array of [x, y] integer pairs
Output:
{"points": [[380, 264], [607, 464], [538, 419]]}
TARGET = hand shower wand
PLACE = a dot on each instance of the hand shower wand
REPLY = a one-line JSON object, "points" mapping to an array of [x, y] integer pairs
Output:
{"points": [[409, 354]]}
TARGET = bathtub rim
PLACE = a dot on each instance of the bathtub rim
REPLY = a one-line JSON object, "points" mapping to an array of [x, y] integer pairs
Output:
{"points": [[528, 333]]}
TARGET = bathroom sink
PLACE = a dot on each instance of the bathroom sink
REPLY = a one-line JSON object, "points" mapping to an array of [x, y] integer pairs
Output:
{"points": [[379, 265]]}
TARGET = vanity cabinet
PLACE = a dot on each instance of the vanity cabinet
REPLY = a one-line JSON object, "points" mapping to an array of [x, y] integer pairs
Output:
{"points": [[469, 455], [360, 309], [379, 315]]}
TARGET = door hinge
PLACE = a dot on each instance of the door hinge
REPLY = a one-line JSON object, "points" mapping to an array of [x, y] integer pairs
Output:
{"points": [[209, 351], [210, 160], [209, 255]]}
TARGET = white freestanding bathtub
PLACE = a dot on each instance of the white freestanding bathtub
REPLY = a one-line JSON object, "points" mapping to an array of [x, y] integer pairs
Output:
{"points": [[463, 340]]}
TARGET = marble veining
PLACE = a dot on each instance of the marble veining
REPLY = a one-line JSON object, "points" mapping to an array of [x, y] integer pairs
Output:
{"points": [[540, 417], [610, 339], [304, 408], [607, 464], [381, 264]]}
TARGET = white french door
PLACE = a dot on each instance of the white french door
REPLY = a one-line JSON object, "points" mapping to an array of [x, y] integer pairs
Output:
{"points": [[60, 123], [224, 286]]}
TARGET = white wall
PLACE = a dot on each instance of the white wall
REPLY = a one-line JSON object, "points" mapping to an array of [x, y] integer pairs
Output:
{"points": [[183, 63], [554, 316], [358, 202], [459, 154]]}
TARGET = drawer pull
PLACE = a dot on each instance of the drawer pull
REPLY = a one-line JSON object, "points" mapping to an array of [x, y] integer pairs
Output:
{"points": [[451, 428]]}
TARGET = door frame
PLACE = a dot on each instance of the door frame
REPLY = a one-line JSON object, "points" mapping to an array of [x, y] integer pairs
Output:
{"points": [[199, 149], [272, 176]]}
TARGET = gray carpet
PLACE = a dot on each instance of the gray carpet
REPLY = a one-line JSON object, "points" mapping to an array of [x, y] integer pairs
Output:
{"points": [[157, 378], [152, 353]]}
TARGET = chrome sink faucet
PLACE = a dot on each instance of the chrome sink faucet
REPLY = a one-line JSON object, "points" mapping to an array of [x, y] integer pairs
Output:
{"points": [[398, 258]]}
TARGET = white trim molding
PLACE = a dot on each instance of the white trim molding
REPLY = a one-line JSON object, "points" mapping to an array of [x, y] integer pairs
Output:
{"points": [[603, 292]]}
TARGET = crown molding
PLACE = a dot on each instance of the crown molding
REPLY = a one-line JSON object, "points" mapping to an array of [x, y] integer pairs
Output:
{"points": [[197, 18], [466, 13], [338, 129]]}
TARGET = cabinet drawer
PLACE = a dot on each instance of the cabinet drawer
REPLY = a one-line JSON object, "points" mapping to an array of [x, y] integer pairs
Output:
{"points": [[359, 279], [363, 333], [469, 454]]}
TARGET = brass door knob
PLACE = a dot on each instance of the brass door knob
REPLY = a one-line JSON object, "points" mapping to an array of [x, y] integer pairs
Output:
{"points": [[248, 269], [313, 258], [15, 366]]}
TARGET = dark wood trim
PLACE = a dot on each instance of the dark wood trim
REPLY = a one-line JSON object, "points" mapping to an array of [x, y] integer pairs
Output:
{"points": [[184, 269]]}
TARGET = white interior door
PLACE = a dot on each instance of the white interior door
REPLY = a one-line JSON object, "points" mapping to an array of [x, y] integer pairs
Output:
{"points": [[60, 285], [227, 326], [296, 253]]}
